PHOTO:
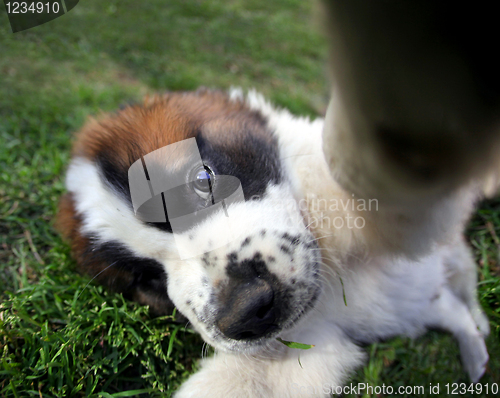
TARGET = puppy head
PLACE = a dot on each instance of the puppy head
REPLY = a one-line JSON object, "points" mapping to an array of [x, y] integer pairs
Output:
{"points": [[254, 266], [258, 284]]}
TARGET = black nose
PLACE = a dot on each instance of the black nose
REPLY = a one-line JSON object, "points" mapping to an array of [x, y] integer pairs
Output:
{"points": [[249, 311]]}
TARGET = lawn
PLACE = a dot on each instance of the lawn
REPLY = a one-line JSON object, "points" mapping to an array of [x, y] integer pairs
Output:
{"points": [[61, 336]]}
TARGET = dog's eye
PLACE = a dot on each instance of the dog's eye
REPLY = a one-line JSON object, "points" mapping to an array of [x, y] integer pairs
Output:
{"points": [[203, 182]]}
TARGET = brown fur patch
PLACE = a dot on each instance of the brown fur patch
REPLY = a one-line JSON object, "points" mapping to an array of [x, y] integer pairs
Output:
{"points": [[162, 120], [69, 223]]}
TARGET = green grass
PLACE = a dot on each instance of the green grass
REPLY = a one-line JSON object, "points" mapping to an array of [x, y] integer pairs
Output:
{"points": [[60, 337]]}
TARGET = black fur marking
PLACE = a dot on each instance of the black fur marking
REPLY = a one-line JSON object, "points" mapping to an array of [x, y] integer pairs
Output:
{"points": [[294, 240], [245, 269], [246, 242], [114, 175], [285, 249], [146, 279], [206, 260], [254, 161]]}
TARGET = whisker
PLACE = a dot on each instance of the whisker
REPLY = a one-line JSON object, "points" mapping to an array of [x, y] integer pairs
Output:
{"points": [[300, 154], [109, 266], [202, 349], [321, 237]]}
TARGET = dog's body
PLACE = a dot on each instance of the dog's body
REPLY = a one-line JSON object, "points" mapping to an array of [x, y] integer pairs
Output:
{"points": [[310, 241], [335, 244]]}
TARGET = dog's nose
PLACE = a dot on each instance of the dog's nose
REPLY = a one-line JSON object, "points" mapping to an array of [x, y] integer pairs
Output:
{"points": [[249, 311]]}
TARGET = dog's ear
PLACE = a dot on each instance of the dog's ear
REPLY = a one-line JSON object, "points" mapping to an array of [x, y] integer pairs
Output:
{"points": [[110, 264], [416, 96]]}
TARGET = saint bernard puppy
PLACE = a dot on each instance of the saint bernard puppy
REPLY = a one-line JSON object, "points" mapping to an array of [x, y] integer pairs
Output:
{"points": [[258, 225], [305, 260]]}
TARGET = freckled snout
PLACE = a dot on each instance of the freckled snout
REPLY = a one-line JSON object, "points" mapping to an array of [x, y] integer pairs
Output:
{"points": [[269, 283], [249, 311]]}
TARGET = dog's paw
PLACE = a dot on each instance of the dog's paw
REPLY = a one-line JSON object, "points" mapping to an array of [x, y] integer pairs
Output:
{"points": [[217, 379], [204, 386], [481, 321], [474, 355]]}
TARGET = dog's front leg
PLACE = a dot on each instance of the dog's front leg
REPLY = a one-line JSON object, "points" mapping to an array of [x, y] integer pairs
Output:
{"points": [[278, 371], [416, 104], [413, 122]]}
